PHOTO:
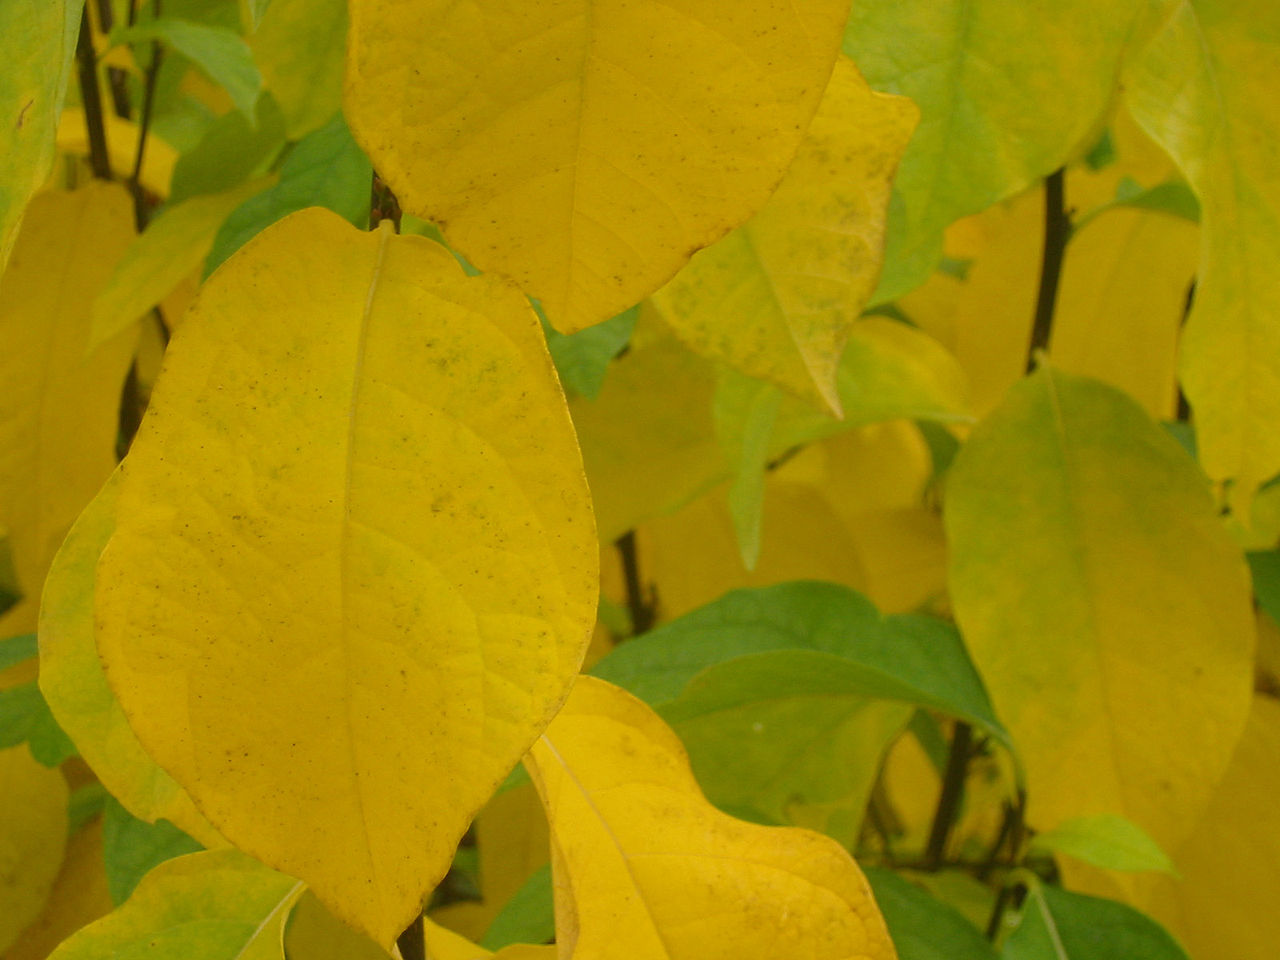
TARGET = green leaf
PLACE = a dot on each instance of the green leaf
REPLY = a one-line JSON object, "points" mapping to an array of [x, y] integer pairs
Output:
{"points": [[255, 9], [36, 44], [582, 358], [1265, 567], [528, 916], [222, 54], [1007, 93], [905, 657], [10, 590], [746, 444], [300, 46], [231, 151], [326, 169], [1058, 925], [789, 736], [25, 717], [86, 803], [220, 905], [131, 847], [17, 649], [923, 927], [1108, 841]]}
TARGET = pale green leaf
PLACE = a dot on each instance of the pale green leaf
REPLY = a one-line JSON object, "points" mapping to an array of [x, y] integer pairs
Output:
{"points": [[1105, 840], [300, 46], [923, 927], [25, 718], [1056, 924], [222, 54], [527, 917], [17, 649], [582, 358], [132, 847], [230, 152], [1204, 89]]}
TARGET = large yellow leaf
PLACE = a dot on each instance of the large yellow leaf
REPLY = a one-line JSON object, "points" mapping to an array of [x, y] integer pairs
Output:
{"points": [[646, 868], [777, 297], [1100, 596], [75, 686], [219, 905], [79, 896], [1230, 865], [1204, 89], [58, 399], [33, 838], [36, 43], [585, 148], [1121, 302], [354, 569]]}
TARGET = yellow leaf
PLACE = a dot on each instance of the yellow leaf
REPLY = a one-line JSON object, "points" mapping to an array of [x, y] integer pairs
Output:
{"points": [[1099, 595], [158, 159], [300, 46], [777, 297], [586, 149], [442, 944], [36, 44], [75, 686], [1121, 302], [58, 399], [79, 897], [33, 838], [1203, 88], [1230, 864], [648, 440], [218, 904], [314, 933], [173, 246], [657, 872], [354, 531]]}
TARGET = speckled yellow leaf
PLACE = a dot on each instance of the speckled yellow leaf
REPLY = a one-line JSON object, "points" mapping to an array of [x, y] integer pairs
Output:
{"points": [[174, 245], [33, 838], [777, 297], [217, 905], [36, 44], [585, 148], [75, 686], [79, 897], [1204, 88], [1121, 301], [654, 871], [354, 568], [1099, 595], [58, 399], [122, 148], [1230, 864]]}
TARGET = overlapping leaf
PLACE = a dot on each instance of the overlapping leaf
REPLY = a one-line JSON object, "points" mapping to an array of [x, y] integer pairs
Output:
{"points": [[586, 149], [1128, 602], [643, 860], [353, 532], [33, 838]]}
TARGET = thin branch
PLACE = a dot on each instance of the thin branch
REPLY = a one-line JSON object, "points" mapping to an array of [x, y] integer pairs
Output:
{"points": [[411, 943], [948, 809], [1057, 231], [383, 204], [91, 97], [641, 604]]}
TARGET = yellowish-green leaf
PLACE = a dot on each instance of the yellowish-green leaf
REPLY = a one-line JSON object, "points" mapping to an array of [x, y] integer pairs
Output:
{"points": [[314, 933], [158, 159], [58, 399], [777, 297], [36, 44], [218, 905], [585, 150], [1204, 90], [173, 245], [1099, 595], [33, 838], [75, 686], [1107, 841], [1121, 302], [1230, 865], [300, 46], [642, 859], [1007, 93], [353, 530], [444, 944]]}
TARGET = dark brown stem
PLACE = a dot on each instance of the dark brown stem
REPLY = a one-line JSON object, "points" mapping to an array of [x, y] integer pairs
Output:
{"points": [[411, 943], [1010, 895], [641, 604], [91, 97], [383, 204], [948, 809], [1057, 231]]}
